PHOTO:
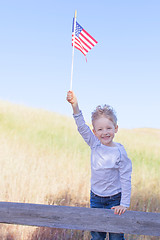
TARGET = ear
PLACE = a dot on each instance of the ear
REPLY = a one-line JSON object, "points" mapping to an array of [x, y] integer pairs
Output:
{"points": [[116, 129], [94, 131]]}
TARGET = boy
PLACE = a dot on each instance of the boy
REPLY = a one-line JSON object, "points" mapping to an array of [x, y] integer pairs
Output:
{"points": [[110, 167]]}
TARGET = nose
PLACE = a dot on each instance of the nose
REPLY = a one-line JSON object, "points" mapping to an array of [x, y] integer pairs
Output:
{"points": [[105, 131]]}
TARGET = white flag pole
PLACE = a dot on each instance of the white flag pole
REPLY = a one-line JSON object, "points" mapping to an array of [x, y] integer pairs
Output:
{"points": [[75, 16]]}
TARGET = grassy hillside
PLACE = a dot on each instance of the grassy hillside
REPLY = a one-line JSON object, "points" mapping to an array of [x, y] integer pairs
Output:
{"points": [[44, 160]]}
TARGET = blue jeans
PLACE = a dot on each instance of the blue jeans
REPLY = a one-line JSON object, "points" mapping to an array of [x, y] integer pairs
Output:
{"points": [[105, 202]]}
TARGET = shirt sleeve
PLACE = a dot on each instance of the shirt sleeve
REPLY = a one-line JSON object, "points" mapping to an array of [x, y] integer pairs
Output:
{"points": [[125, 178], [84, 129]]}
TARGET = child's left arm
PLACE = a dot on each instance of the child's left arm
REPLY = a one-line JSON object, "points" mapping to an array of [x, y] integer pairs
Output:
{"points": [[119, 209], [125, 178]]}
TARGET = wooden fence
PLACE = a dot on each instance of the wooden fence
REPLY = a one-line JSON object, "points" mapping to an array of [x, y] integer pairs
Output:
{"points": [[131, 222]]}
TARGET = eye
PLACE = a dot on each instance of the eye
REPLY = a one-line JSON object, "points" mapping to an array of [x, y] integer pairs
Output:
{"points": [[99, 129]]}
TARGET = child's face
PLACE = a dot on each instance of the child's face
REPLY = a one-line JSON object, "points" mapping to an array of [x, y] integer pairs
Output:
{"points": [[105, 130]]}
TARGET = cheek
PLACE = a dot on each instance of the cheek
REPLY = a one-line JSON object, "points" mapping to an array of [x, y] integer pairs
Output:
{"points": [[95, 133]]}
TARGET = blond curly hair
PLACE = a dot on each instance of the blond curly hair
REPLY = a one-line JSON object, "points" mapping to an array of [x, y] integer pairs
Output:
{"points": [[104, 111]]}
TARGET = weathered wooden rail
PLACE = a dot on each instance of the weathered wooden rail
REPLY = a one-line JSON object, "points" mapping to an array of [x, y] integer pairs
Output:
{"points": [[131, 222]]}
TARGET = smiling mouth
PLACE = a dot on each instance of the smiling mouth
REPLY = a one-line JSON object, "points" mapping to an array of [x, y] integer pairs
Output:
{"points": [[105, 137]]}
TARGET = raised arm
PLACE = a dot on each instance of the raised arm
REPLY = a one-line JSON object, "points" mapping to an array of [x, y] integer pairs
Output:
{"points": [[71, 98], [82, 127]]}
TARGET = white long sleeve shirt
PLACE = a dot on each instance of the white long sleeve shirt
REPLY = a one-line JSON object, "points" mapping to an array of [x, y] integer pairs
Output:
{"points": [[110, 166]]}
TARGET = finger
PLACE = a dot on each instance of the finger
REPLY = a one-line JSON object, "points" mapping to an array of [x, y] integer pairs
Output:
{"points": [[70, 93], [123, 211], [69, 96], [120, 211], [69, 99], [116, 211]]}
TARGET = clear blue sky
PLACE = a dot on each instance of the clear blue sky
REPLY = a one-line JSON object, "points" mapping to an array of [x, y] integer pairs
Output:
{"points": [[123, 69]]}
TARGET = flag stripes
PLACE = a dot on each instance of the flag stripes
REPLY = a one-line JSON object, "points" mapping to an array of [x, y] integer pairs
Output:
{"points": [[82, 40], [78, 44]]}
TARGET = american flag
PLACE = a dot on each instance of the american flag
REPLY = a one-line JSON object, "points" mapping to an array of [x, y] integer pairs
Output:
{"points": [[82, 40]]}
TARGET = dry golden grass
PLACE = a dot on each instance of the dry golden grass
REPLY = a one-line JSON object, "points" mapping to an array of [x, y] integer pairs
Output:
{"points": [[44, 160]]}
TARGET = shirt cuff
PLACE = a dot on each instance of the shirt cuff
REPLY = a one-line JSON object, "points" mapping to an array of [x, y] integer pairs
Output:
{"points": [[78, 114]]}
